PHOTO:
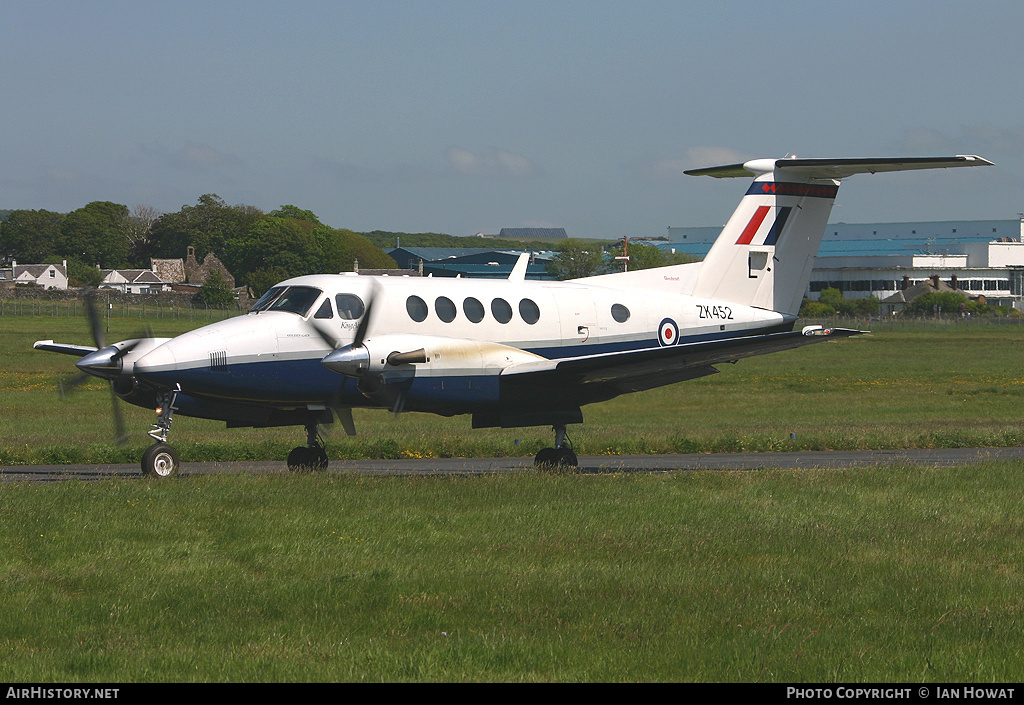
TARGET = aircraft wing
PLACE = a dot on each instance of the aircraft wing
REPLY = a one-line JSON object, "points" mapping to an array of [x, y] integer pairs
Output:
{"points": [[610, 374], [65, 348]]}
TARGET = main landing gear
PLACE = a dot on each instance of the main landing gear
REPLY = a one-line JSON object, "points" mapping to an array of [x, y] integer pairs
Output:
{"points": [[312, 457], [561, 457], [160, 459]]}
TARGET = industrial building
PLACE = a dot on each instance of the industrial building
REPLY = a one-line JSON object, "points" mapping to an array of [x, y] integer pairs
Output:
{"points": [[978, 257]]}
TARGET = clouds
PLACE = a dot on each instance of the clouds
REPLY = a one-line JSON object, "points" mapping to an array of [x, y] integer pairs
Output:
{"points": [[189, 156], [464, 116], [972, 139], [671, 167], [492, 164], [455, 162]]}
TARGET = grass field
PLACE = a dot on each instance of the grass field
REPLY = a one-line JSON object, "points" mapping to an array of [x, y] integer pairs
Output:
{"points": [[887, 574], [913, 386], [898, 574]]}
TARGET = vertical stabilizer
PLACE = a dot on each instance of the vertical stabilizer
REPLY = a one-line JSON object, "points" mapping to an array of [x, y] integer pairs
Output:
{"points": [[764, 255]]}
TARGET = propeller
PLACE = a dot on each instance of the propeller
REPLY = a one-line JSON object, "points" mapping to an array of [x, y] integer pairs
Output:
{"points": [[344, 413], [353, 360], [104, 362]]}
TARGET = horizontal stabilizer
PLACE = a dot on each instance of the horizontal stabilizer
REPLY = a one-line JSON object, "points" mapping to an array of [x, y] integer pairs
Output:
{"points": [[836, 168]]}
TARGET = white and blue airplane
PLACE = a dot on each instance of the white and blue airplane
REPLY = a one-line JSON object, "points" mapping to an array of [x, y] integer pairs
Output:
{"points": [[510, 353]]}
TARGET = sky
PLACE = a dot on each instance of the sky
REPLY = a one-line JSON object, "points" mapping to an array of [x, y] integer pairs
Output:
{"points": [[469, 116]]}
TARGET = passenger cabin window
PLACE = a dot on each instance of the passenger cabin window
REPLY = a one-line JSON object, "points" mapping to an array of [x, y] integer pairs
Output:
{"points": [[529, 311], [501, 310], [445, 309], [620, 313], [473, 309], [350, 306], [293, 299], [417, 308]]}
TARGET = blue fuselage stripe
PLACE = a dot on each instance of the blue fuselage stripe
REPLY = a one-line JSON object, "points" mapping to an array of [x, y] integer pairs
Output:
{"points": [[305, 380]]}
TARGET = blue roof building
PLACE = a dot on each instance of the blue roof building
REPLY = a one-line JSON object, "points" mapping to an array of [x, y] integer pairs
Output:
{"points": [[474, 262], [983, 257]]}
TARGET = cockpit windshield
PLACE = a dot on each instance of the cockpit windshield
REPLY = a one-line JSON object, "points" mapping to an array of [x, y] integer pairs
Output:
{"points": [[294, 299]]}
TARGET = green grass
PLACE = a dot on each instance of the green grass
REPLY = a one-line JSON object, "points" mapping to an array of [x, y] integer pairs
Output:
{"points": [[893, 574], [913, 386], [888, 574]]}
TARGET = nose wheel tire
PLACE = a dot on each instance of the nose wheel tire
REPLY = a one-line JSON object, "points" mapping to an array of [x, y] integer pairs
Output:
{"points": [[160, 460]]}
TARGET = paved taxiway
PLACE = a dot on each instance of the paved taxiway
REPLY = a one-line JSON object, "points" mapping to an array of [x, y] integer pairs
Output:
{"points": [[943, 457]]}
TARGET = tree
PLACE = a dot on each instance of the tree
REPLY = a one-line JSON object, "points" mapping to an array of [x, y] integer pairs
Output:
{"points": [[576, 259], [945, 301], [260, 280], [642, 256], [297, 213], [208, 226], [96, 234], [273, 242], [82, 274], [832, 298], [816, 309], [831, 302], [341, 248], [215, 291], [31, 236]]}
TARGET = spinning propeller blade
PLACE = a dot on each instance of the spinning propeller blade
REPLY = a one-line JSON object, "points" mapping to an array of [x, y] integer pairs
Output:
{"points": [[105, 363]]}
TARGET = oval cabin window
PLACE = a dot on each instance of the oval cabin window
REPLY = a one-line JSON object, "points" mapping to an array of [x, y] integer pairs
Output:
{"points": [[445, 309], [473, 309], [417, 308], [529, 311], [501, 311]]}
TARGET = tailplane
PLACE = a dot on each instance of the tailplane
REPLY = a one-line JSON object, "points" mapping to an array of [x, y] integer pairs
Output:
{"points": [[764, 254]]}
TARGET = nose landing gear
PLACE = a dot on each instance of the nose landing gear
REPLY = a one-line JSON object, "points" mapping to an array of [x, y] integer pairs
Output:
{"points": [[312, 457], [160, 459]]}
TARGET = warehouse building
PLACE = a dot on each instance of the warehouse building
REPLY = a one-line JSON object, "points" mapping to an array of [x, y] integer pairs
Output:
{"points": [[979, 257]]}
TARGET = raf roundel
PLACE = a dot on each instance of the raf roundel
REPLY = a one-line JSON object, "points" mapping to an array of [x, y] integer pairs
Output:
{"points": [[668, 332]]}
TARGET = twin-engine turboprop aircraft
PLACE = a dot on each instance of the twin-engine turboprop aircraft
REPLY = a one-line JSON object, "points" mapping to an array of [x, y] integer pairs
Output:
{"points": [[512, 352]]}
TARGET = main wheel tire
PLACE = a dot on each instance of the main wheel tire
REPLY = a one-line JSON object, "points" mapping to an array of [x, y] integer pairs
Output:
{"points": [[566, 459], [299, 460], [545, 458], [318, 459], [160, 460]]}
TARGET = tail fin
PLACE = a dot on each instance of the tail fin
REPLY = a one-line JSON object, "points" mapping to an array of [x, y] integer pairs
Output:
{"points": [[764, 255]]}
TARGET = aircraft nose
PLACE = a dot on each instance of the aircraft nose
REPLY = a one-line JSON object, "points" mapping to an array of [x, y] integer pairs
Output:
{"points": [[159, 359]]}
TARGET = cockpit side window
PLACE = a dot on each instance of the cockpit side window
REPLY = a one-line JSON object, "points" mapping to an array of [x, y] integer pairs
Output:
{"points": [[325, 310]]}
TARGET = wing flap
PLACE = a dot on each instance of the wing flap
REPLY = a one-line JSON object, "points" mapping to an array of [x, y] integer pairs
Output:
{"points": [[651, 367]]}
